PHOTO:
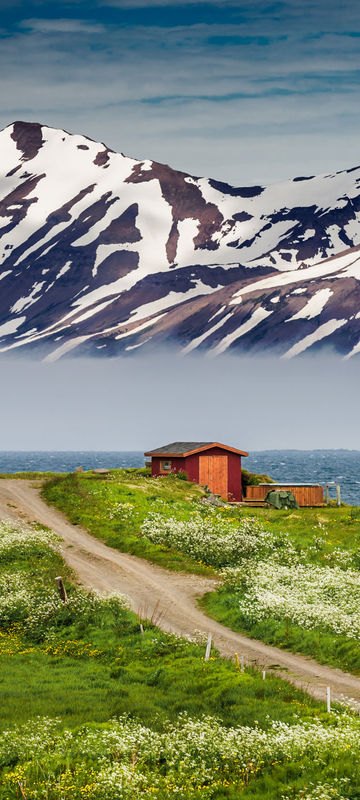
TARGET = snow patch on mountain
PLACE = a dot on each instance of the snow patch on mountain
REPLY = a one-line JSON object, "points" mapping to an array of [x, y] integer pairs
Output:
{"points": [[322, 332], [314, 306], [256, 317], [105, 252]]}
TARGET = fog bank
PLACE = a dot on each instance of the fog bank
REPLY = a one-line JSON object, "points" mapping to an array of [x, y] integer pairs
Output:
{"points": [[138, 403]]}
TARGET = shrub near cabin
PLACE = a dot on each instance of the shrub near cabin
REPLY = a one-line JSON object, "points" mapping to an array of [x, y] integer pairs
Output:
{"points": [[211, 464]]}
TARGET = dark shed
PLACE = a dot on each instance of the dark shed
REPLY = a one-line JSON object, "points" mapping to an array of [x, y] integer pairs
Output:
{"points": [[209, 463]]}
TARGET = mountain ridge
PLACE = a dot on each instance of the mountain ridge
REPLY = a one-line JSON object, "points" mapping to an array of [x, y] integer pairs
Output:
{"points": [[102, 254]]}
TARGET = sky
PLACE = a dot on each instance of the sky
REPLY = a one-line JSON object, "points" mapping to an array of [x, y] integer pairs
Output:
{"points": [[246, 92], [141, 403]]}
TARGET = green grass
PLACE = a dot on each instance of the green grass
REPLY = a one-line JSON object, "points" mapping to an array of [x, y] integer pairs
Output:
{"points": [[89, 501], [318, 531], [29, 475], [92, 668], [112, 669], [322, 535], [153, 682]]}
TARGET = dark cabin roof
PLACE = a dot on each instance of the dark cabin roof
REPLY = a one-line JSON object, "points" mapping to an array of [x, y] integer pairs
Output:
{"points": [[188, 448]]}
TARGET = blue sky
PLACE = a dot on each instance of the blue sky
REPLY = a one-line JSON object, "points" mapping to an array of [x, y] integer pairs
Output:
{"points": [[243, 91]]}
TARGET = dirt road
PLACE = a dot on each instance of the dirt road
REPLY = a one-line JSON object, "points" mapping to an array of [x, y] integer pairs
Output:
{"points": [[170, 598]]}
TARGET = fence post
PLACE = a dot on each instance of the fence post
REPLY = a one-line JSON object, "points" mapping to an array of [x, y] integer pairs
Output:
{"points": [[141, 629], [208, 648], [263, 674], [61, 589], [328, 700], [338, 501], [326, 494]]}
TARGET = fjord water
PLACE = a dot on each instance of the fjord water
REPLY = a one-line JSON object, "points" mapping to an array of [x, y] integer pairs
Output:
{"points": [[308, 466]]}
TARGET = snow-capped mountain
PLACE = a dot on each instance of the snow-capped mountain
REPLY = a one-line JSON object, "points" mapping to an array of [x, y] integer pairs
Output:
{"points": [[101, 253]]}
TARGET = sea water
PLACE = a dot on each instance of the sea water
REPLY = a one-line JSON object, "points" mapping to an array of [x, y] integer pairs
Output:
{"points": [[307, 466]]}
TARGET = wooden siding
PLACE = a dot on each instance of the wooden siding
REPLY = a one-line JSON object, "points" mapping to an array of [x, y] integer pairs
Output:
{"points": [[305, 495], [213, 472]]}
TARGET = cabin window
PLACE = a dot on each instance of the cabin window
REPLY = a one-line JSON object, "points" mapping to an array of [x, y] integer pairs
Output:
{"points": [[165, 466]]}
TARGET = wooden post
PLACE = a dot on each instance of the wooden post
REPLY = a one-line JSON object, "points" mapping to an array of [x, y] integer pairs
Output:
{"points": [[338, 501], [141, 629], [263, 674], [61, 589], [328, 700], [326, 494], [21, 787], [208, 648]]}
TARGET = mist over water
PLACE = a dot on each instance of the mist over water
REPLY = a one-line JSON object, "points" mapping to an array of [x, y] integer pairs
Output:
{"points": [[136, 403]]}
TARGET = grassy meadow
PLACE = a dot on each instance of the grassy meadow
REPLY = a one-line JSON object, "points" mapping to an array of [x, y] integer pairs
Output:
{"points": [[91, 708], [260, 553]]}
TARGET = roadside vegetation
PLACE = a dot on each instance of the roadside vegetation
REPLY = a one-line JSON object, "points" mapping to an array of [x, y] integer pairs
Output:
{"points": [[93, 708], [114, 509], [290, 578], [305, 596]]}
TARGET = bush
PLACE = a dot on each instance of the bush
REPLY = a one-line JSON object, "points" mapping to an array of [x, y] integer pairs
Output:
{"points": [[252, 479], [183, 476], [212, 540], [141, 472]]}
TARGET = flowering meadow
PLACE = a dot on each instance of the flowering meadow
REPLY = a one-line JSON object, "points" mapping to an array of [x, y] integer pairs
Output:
{"points": [[192, 758], [266, 576], [91, 708], [152, 718], [27, 599], [301, 566], [308, 595], [209, 537]]}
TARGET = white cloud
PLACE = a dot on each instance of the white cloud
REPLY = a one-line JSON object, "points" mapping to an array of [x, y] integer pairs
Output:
{"points": [[61, 26]]}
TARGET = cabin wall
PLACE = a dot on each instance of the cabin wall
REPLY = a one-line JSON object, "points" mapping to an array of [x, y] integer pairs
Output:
{"points": [[190, 465], [177, 464], [234, 479]]}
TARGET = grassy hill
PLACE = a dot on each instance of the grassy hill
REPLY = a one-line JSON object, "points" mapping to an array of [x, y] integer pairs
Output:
{"points": [[261, 554], [91, 708]]}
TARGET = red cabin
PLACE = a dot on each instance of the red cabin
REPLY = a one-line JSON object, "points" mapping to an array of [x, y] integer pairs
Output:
{"points": [[211, 464]]}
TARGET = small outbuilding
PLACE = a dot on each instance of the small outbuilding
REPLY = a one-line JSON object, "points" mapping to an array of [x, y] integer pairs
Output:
{"points": [[210, 464]]}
